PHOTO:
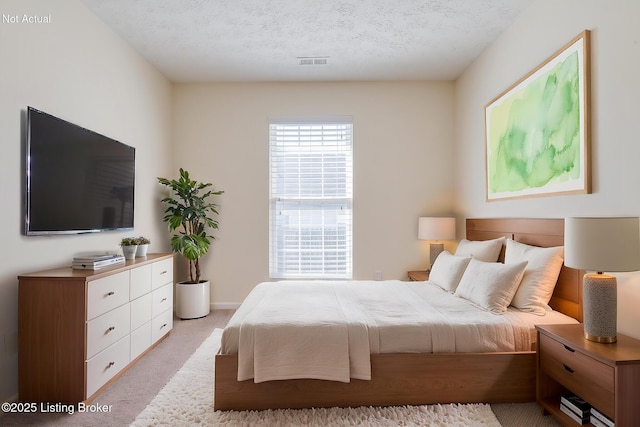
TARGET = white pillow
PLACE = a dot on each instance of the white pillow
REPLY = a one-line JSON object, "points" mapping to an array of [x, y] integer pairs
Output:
{"points": [[490, 285], [447, 270], [483, 250], [539, 277]]}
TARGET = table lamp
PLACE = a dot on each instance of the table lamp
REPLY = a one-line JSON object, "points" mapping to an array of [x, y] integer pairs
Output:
{"points": [[601, 245], [436, 228]]}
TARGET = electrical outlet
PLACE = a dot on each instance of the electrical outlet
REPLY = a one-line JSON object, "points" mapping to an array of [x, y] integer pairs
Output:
{"points": [[377, 275]]}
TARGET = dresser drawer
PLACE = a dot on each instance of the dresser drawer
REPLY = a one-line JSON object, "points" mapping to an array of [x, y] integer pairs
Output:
{"points": [[590, 379], [107, 293], [141, 311], [162, 273], [161, 325], [107, 329], [140, 283], [140, 340], [103, 366], [162, 299]]}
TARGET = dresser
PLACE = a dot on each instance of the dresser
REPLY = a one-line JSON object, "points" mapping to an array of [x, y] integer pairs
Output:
{"points": [[79, 329], [607, 376]]}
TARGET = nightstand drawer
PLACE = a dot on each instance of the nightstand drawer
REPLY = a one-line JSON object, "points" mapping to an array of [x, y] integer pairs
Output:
{"points": [[581, 364], [590, 379]]}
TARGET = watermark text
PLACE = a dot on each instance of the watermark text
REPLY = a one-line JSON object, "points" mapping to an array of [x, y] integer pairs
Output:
{"points": [[25, 19], [58, 408]]}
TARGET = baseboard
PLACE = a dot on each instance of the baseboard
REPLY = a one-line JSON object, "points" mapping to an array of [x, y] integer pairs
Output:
{"points": [[225, 305], [13, 398]]}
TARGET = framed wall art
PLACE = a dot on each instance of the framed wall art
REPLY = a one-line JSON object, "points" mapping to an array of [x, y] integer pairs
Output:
{"points": [[537, 132]]}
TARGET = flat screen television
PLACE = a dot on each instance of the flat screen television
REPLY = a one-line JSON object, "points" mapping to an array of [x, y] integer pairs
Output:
{"points": [[77, 181]]}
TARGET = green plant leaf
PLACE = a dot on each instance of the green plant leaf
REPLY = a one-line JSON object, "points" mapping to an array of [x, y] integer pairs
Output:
{"points": [[190, 213]]}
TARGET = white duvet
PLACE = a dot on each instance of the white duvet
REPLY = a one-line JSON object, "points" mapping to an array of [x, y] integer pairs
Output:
{"points": [[327, 330]]}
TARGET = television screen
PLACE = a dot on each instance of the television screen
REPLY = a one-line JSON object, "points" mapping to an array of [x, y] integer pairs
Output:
{"points": [[77, 181]]}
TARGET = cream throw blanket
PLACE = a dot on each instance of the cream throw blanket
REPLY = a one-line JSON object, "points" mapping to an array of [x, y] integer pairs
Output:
{"points": [[310, 334]]}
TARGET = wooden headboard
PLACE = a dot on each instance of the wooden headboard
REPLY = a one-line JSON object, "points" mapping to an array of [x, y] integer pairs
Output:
{"points": [[567, 296]]}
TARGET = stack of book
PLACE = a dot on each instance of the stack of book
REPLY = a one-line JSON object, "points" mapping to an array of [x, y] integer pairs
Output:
{"points": [[599, 419], [576, 408], [96, 261]]}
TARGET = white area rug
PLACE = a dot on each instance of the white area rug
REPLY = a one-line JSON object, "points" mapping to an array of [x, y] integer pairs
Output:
{"points": [[187, 400]]}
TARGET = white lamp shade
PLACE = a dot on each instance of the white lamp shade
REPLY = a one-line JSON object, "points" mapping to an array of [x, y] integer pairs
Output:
{"points": [[436, 228], [602, 244]]}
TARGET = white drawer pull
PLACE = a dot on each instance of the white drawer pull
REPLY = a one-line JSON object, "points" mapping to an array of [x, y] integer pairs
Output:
{"points": [[163, 272], [163, 300]]}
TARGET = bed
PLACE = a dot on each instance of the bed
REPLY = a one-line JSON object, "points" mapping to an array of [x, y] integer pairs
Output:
{"points": [[412, 378]]}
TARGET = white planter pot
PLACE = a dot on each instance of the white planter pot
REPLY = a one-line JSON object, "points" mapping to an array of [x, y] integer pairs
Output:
{"points": [[142, 250], [192, 300], [129, 252]]}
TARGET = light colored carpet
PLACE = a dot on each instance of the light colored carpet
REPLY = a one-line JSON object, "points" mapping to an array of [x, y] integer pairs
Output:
{"points": [[188, 400]]}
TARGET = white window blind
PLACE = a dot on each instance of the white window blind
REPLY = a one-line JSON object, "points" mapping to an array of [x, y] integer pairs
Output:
{"points": [[311, 192]]}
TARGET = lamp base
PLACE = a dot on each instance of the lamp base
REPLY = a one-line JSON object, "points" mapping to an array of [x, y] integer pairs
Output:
{"points": [[599, 299], [434, 251]]}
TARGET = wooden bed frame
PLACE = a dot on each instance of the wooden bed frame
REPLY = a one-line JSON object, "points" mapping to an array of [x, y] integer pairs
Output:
{"points": [[420, 378]]}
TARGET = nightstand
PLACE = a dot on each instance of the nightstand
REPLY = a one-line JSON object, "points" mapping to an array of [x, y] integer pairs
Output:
{"points": [[418, 276], [607, 376]]}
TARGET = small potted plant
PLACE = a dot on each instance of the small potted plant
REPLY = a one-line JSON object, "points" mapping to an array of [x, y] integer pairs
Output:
{"points": [[143, 246], [190, 215], [129, 247]]}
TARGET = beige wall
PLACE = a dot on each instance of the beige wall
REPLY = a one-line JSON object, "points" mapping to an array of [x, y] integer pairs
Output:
{"points": [[403, 135], [78, 69], [545, 27]]}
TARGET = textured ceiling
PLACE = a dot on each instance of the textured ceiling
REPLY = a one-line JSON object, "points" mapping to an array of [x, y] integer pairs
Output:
{"points": [[264, 40]]}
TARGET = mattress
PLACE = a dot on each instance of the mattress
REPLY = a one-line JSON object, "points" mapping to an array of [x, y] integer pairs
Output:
{"points": [[327, 329]]}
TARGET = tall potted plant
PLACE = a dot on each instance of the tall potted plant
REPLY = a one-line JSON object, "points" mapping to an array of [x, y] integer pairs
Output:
{"points": [[190, 216]]}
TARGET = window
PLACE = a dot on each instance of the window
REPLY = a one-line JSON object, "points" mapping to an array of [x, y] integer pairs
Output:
{"points": [[311, 192]]}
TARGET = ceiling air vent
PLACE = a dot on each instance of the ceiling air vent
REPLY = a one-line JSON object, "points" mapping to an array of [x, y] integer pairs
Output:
{"points": [[313, 60]]}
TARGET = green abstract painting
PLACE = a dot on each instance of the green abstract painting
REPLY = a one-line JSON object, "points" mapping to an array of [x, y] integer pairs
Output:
{"points": [[537, 130]]}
